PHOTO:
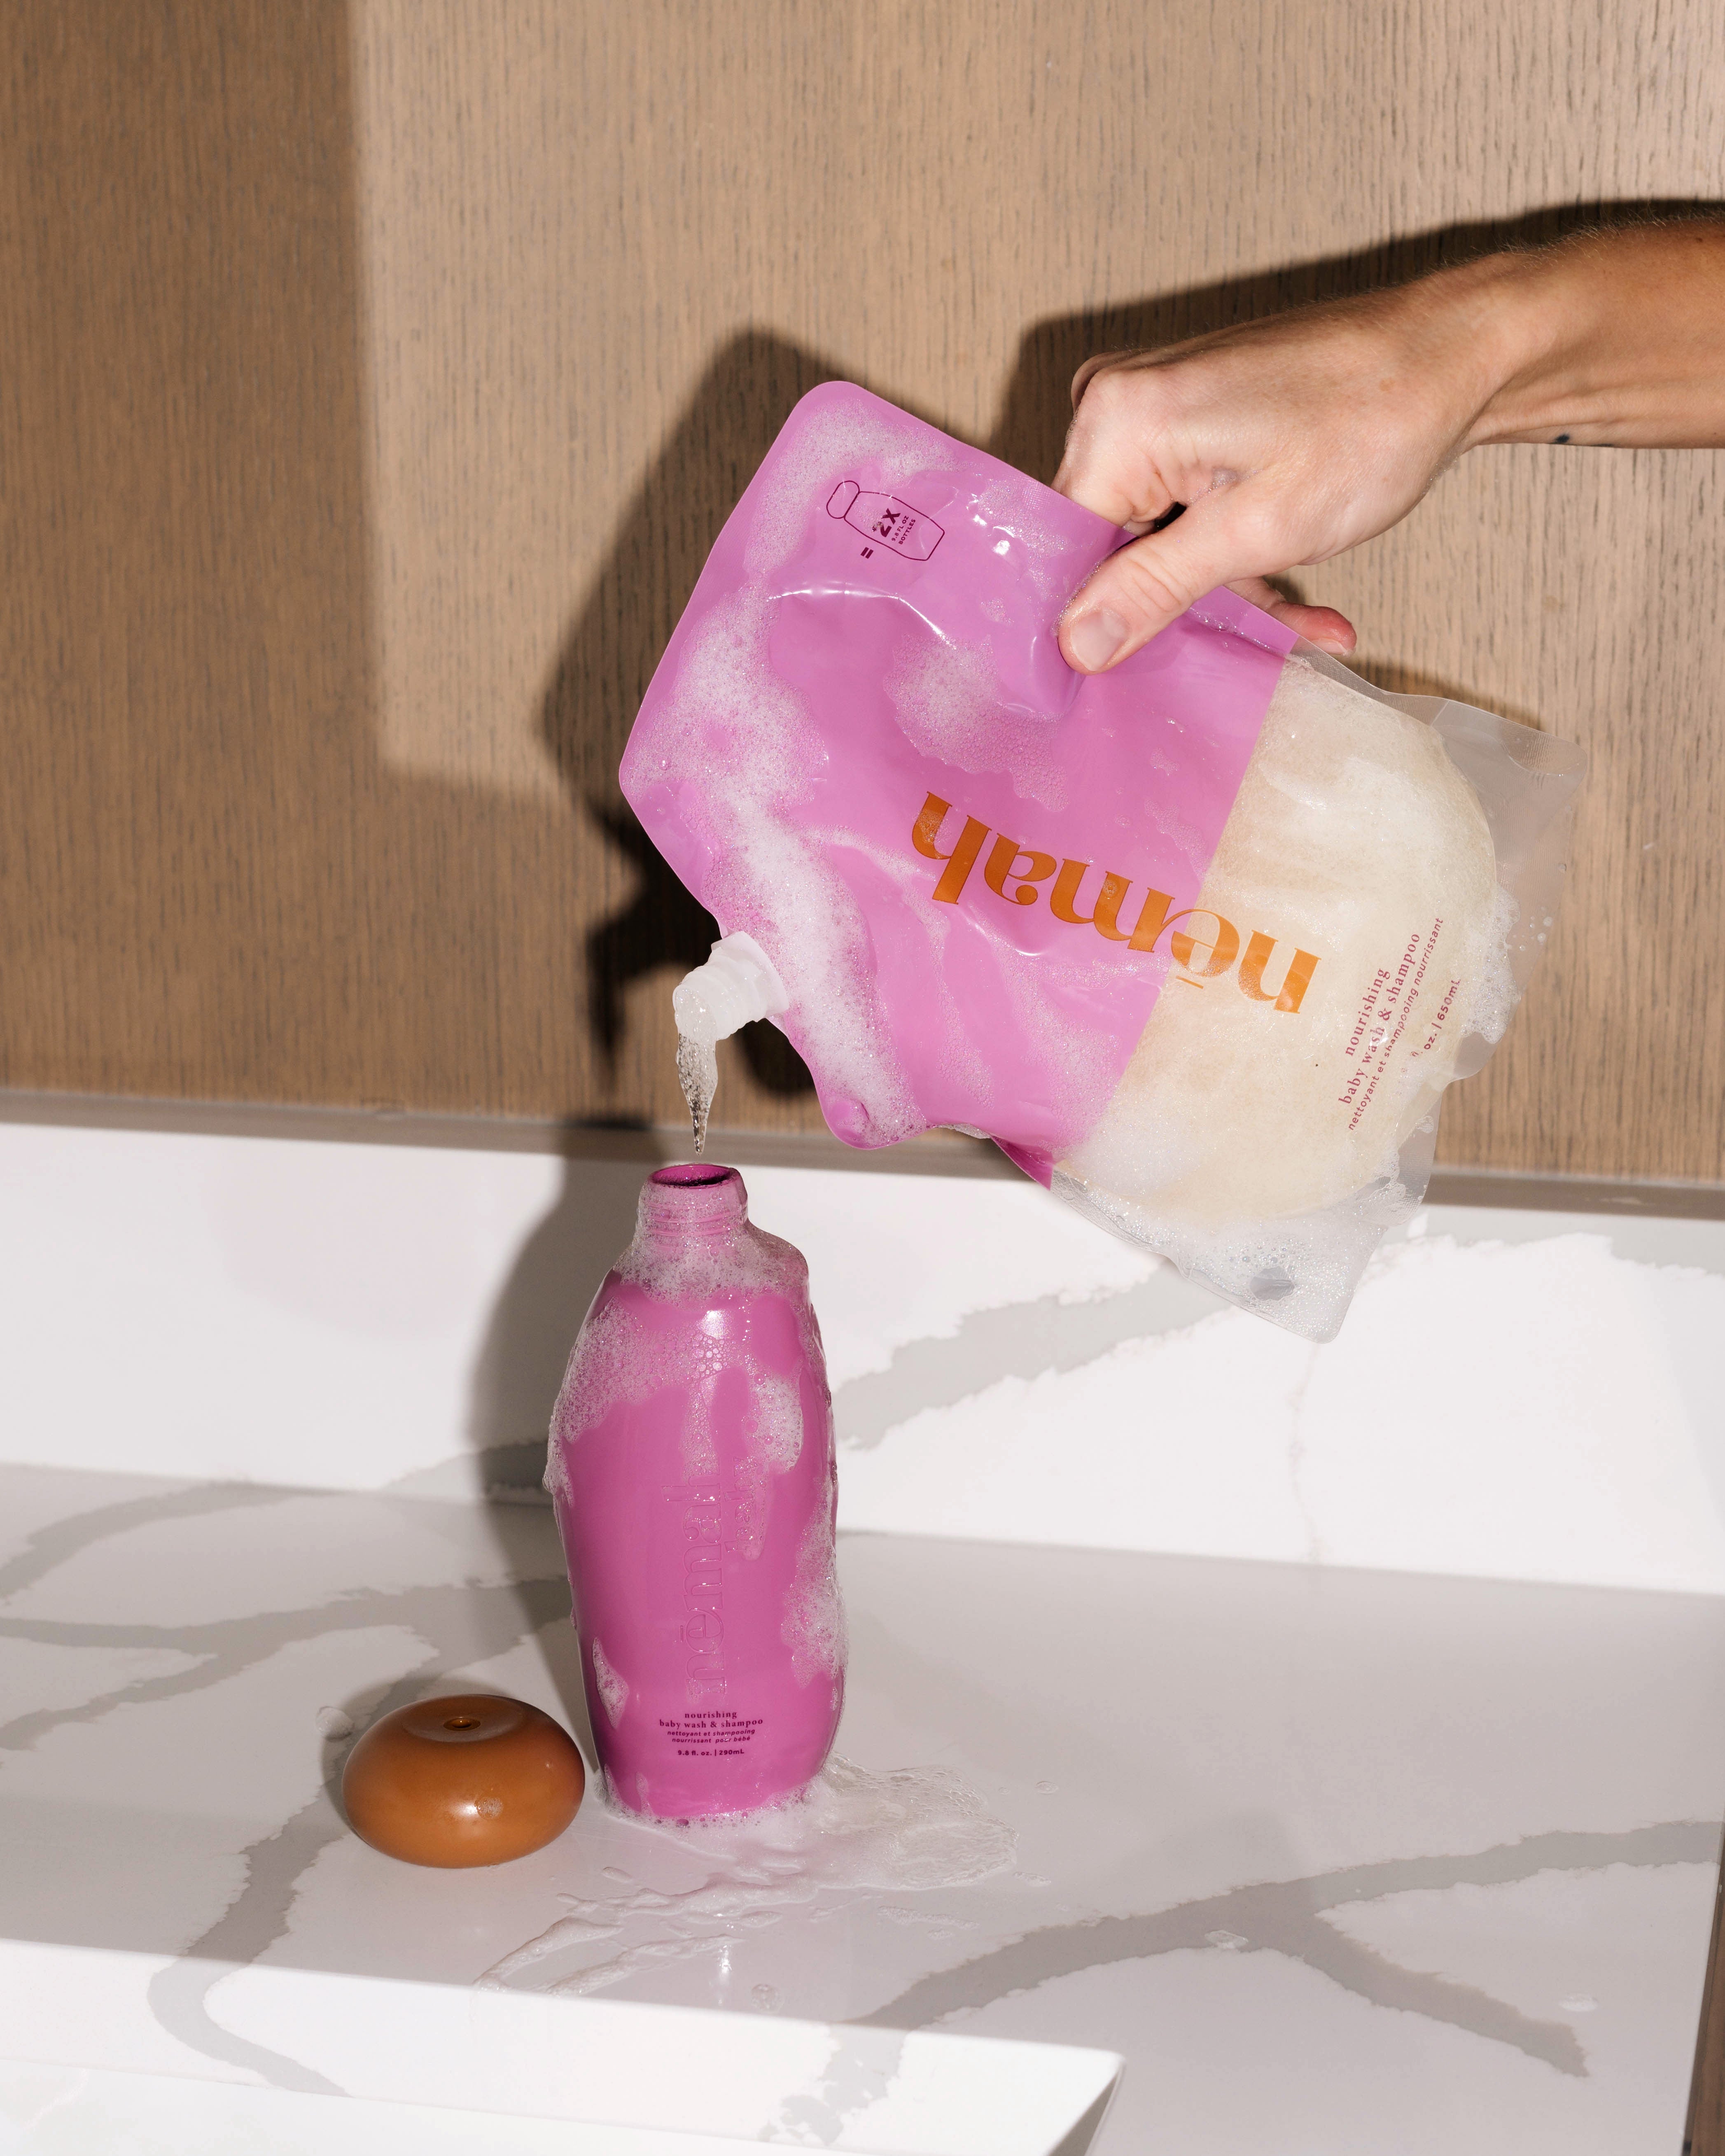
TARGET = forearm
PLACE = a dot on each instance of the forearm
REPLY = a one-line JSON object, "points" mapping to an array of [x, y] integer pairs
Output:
{"points": [[1613, 338], [1288, 440]]}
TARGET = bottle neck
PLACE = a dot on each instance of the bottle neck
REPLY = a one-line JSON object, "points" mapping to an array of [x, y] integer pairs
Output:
{"points": [[693, 1205]]}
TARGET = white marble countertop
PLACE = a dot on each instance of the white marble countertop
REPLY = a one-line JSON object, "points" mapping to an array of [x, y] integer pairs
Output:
{"points": [[1339, 1861], [1338, 1724]]}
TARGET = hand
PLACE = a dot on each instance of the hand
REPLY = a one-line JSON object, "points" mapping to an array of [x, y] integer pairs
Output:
{"points": [[1287, 441]]}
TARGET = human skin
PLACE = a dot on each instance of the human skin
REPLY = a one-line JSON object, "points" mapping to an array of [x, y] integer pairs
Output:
{"points": [[1291, 440]]}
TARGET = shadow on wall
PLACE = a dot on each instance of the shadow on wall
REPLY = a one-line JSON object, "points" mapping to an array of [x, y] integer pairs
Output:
{"points": [[212, 886], [538, 1312], [601, 674], [729, 424], [1031, 429]]}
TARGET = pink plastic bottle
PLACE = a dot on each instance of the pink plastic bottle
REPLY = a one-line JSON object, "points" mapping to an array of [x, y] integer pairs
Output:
{"points": [[692, 1470]]}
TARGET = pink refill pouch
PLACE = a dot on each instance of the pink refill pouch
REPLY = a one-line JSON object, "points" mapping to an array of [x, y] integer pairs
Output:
{"points": [[1198, 943]]}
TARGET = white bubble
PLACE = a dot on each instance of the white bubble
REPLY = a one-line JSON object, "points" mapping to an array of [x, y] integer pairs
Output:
{"points": [[618, 1361], [814, 1627], [728, 716], [612, 1691], [947, 703]]}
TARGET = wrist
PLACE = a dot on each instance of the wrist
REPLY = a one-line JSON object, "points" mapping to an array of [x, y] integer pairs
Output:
{"points": [[1458, 340], [1542, 309], [1503, 325]]}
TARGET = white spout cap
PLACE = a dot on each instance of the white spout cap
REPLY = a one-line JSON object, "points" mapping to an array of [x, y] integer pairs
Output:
{"points": [[737, 983]]}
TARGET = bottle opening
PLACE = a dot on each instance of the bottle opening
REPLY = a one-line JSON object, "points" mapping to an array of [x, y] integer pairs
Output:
{"points": [[694, 1200]]}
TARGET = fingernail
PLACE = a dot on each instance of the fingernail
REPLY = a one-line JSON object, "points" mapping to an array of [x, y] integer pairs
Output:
{"points": [[1095, 637]]}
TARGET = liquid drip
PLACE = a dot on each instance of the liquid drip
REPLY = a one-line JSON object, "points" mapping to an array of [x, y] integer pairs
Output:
{"points": [[698, 1075]]}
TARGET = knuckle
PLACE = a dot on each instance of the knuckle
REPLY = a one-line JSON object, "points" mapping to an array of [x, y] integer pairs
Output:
{"points": [[1103, 382], [1097, 364], [1152, 582], [1122, 396]]}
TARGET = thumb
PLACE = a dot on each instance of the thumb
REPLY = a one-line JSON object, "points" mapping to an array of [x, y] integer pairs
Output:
{"points": [[1146, 585]]}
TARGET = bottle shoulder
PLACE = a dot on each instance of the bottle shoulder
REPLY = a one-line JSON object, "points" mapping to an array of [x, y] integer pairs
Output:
{"points": [[743, 1265]]}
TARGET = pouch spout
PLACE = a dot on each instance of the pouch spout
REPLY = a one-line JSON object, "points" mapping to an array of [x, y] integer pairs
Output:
{"points": [[738, 982]]}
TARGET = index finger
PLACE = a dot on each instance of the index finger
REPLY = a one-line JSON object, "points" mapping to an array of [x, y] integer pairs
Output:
{"points": [[1087, 373], [1111, 462]]}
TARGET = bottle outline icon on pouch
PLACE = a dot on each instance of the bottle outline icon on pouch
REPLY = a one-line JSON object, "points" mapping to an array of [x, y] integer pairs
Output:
{"points": [[911, 532]]}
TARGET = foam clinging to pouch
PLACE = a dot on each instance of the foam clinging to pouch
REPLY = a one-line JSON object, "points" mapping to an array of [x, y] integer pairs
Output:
{"points": [[1356, 835]]}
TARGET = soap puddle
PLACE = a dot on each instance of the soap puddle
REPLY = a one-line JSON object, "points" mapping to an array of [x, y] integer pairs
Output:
{"points": [[909, 1831]]}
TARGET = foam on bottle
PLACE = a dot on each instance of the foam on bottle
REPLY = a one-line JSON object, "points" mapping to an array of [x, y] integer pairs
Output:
{"points": [[613, 1360], [772, 1443], [612, 1691], [747, 1260], [814, 1628], [618, 1361]]}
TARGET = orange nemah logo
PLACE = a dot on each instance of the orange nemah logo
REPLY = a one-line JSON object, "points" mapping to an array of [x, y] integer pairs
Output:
{"points": [[1016, 873]]}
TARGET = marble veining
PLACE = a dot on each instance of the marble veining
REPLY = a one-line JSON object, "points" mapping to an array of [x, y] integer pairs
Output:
{"points": [[1286, 1917], [1411, 1736], [1031, 1338], [1293, 1837]]}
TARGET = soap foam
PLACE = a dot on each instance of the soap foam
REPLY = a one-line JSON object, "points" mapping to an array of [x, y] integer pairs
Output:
{"points": [[618, 1360], [1255, 1145], [829, 447], [614, 1692], [748, 1261], [851, 1832], [1012, 507], [947, 702], [961, 1055], [730, 716], [776, 1423], [814, 1628], [772, 1443], [613, 1360]]}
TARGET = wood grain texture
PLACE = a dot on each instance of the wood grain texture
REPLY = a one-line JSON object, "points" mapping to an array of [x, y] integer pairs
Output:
{"points": [[377, 376], [1704, 2132]]}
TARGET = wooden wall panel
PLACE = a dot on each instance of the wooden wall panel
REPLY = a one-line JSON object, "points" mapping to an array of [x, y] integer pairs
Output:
{"points": [[377, 376]]}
